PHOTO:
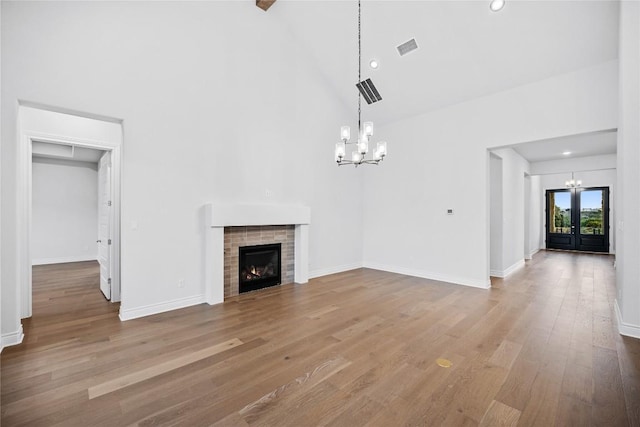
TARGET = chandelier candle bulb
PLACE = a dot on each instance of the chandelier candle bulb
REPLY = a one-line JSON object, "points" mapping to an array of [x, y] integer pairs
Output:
{"points": [[345, 133], [368, 128], [340, 151], [363, 146], [382, 148], [355, 157]]}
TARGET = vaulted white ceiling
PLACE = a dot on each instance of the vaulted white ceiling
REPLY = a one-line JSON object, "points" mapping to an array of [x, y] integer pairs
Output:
{"points": [[465, 50]]}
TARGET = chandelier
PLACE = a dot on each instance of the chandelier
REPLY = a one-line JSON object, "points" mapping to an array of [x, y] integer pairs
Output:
{"points": [[572, 183], [367, 90]]}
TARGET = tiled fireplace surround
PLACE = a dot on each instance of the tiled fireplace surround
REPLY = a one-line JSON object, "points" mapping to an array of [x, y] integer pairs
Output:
{"points": [[235, 237], [249, 224]]}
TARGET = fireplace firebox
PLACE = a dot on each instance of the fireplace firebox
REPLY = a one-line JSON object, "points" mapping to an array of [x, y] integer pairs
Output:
{"points": [[259, 267]]}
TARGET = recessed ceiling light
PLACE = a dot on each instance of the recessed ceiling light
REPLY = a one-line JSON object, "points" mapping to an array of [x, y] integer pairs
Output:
{"points": [[496, 5], [374, 63], [566, 153]]}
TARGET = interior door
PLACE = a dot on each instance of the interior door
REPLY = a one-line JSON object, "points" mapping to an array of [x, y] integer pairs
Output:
{"points": [[104, 223], [578, 219]]}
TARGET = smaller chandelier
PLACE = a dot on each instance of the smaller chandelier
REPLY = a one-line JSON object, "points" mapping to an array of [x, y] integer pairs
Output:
{"points": [[358, 155], [572, 183]]}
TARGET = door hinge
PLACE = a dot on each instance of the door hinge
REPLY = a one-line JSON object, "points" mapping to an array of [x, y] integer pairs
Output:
{"points": [[109, 281], [109, 242], [109, 203]]}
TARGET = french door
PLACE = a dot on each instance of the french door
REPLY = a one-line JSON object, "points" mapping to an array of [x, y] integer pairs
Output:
{"points": [[578, 219]]}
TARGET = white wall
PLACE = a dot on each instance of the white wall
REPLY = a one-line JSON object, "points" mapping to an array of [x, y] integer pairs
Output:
{"points": [[536, 212], [495, 214], [65, 211], [514, 168], [599, 178], [219, 104], [1, 199], [628, 203], [438, 161]]}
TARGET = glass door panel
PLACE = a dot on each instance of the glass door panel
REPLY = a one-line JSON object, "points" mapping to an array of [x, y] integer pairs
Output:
{"points": [[560, 212], [591, 212], [560, 219]]}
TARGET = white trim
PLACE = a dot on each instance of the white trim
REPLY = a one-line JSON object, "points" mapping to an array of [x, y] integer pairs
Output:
{"points": [[301, 254], [531, 254], [161, 307], [64, 259], [333, 270], [504, 273], [38, 124], [626, 329], [229, 215], [465, 281], [12, 338]]}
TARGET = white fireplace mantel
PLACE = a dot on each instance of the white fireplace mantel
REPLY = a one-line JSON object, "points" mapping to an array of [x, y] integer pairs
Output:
{"points": [[222, 215]]}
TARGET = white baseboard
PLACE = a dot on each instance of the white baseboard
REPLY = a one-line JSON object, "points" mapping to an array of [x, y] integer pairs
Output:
{"points": [[333, 270], [508, 271], [162, 307], [626, 329], [465, 281], [65, 259], [530, 255], [12, 338]]}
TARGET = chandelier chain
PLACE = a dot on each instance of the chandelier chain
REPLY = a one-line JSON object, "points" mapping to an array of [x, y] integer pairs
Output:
{"points": [[359, 64], [364, 132]]}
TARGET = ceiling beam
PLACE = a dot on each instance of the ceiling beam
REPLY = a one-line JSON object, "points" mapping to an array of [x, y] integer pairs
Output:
{"points": [[264, 4]]}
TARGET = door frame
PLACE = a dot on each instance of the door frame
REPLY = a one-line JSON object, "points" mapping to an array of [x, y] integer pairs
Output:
{"points": [[575, 218], [24, 206], [109, 166]]}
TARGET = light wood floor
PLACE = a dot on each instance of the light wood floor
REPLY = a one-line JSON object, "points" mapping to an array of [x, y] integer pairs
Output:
{"points": [[357, 348]]}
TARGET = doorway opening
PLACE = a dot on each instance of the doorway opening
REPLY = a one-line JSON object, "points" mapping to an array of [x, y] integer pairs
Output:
{"points": [[71, 216], [64, 133], [578, 219]]}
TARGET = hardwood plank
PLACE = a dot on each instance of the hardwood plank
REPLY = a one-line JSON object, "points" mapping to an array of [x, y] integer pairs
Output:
{"points": [[153, 371], [629, 360], [542, 406], [265, 4], [255, 410], [355, 348], [572, 412], [608, 398], [506, 354], [500, 414]]}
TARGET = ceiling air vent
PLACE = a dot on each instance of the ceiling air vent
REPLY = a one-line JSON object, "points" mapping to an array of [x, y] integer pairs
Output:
{"points": [[407, 47], [369, 91]]}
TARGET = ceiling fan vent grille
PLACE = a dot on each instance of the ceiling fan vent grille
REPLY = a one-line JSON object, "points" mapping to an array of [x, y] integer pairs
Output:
{"points": [[407, 47]]}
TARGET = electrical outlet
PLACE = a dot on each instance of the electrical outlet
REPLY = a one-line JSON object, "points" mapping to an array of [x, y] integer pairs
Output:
{"points": [[181, 283], [268, 193]]}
